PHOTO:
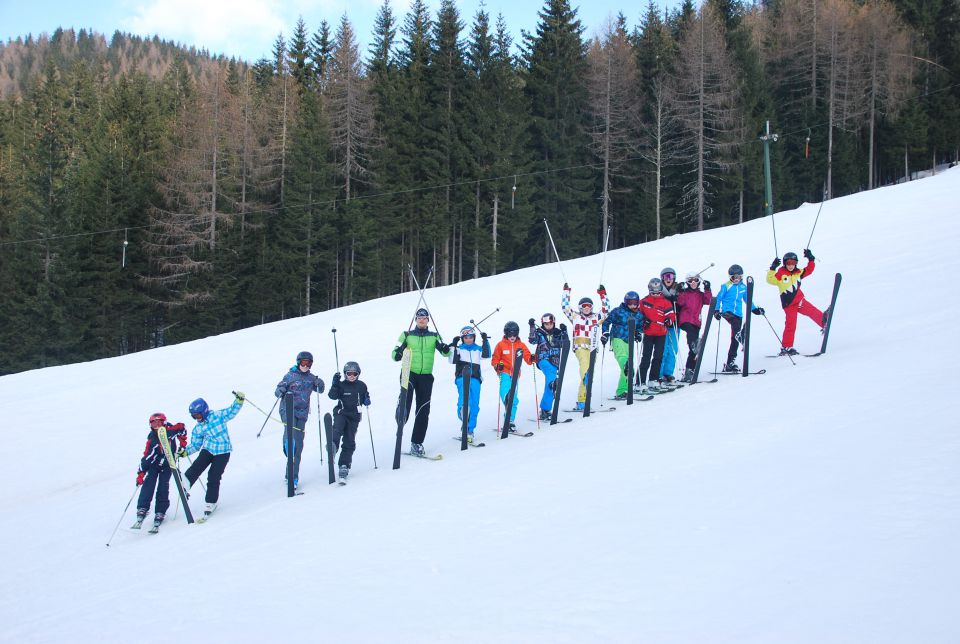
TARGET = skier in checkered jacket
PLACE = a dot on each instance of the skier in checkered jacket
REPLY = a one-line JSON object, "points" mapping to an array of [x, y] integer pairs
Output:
{"points": [[586, 327], [211, 438]]}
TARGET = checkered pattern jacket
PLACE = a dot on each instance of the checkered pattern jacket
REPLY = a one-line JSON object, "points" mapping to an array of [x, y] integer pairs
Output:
{"points": [[212, 435]]}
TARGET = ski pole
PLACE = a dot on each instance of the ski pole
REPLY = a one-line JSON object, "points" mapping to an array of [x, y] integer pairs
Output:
{"points": [[773, 221], [476, 325], [255, 406], [113, 534], [555, 253], [336, 353], [536, 403], [603, 262], [372, 448], [603, 357], [815, 224], [202, 486], [704, 270], [778, 338], [426, 283], [424, 299], [268, 416], [319, 426], [716, 358]]}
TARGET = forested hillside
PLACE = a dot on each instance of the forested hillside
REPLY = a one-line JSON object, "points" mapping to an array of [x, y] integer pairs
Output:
{"points": [[151, 194]]}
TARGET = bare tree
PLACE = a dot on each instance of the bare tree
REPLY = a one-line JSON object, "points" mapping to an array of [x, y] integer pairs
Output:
{"points": [[658, 147], [705, 91]]}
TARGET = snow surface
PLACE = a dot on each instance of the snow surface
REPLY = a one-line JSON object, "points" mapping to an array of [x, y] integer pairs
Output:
{"points": [[816, 503]]}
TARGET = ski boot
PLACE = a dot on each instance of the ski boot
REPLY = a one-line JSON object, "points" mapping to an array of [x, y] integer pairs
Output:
{"points": [[688, 376], [622, 396], [344, 473], [141, 515], [417, 449], [826, 320], [731, 367], [580, 406], [788, 351], [545, 415], [157, 520]]}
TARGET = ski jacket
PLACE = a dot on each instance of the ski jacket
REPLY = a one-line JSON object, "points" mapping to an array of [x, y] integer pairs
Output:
{"points": [[690, 303], [469, 354], [732, 298], [349, 396], [789, 282], [672, 292], [422, 344], [301, 384], [212, 434], [585, 326], [505, 350], [549, 343], [616, 322], [153, 456], [656, 311]]}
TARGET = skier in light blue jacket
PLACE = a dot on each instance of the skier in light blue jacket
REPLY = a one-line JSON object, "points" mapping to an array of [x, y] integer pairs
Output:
{"points": [[731, 302]]}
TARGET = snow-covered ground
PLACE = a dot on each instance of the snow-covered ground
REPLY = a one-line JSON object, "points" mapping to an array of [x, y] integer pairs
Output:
{"points": [[816, 503]]}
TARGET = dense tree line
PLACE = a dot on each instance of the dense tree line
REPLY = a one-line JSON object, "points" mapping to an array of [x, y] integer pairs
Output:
{"points": [[151, 195]]}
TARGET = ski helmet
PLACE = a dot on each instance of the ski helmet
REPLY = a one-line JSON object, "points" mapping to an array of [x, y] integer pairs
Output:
{"points": [[422, 313], [668, 271], [693, 275], [200, 406], [468, 332], [304, 355], [548, 317], [585, 300], [511, 329], [351, 367], [735, 269], [632, 297], [158, 417], [655, 286], [789, 256]]}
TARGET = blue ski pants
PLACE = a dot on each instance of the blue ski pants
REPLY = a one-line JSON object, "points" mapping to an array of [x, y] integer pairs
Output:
{"points": [[550, 376], [505, 381], [474, 402], [670, 352]]}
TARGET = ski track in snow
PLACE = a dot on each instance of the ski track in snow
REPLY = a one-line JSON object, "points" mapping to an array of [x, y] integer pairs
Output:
{"points": [[818, 503]]}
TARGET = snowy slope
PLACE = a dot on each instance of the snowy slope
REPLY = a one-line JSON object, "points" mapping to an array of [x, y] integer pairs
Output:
{"points": [[816, 503]]}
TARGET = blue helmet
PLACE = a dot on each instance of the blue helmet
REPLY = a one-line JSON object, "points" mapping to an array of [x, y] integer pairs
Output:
{"points": [[200, 406], [631, 296]]}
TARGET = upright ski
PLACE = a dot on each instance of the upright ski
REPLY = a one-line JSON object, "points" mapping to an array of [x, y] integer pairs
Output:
{"points": [[511, 393], [748, 316], [467, 377], [631, 334], [328, 425], [702, 344], [165, 444], [558, 383], [833, 305], [589, 382], [402, 403]]}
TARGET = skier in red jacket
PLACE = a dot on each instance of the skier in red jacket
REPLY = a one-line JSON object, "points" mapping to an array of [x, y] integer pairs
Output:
{"points": [[658, 316]]}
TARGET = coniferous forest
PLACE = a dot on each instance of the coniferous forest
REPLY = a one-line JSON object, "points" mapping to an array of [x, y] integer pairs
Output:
{"points": [[152, 194]]}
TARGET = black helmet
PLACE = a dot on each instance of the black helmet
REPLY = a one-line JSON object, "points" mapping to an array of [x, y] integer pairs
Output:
{"points": [[789, 256], [422, 313], [548, 317], [655, 286], [351, 367], [586, 300], [511, 329], [304, 355], [736, 269]]}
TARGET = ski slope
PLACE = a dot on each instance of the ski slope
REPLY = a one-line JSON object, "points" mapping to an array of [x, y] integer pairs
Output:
{"points": [[816, 503]]}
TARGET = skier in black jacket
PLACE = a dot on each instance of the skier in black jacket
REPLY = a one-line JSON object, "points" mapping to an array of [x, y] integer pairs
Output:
{"points": [[349, 394]]}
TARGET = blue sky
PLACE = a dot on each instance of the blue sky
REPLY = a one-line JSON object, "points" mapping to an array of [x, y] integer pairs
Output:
{"points": [[247, 28]]}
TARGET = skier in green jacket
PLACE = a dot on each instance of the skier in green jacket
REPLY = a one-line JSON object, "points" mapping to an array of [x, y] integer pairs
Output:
{"points": [[422, 342]]}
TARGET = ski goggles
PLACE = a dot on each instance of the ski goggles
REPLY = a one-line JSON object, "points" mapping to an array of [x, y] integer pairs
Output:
{"points": [[352, 374], [693, 280], [736, 277], [197, 416], [156, 421], [546, 322], [668, 276], [306, 363]]}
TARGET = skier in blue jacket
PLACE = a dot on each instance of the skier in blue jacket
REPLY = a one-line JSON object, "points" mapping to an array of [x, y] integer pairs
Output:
{"points": [[211, 438], [466, 354], [731, 302], [549, 341], [616, 325], [301, 382]]}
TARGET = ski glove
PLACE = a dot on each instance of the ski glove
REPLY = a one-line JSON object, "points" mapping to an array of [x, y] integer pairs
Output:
{"points": [[455, 341], [484, 335], [808, 254], [758, 311], [668, 322], [140, 476], [532, 322], [775, 264], [566, 286], [717, 315], [318, 386], [601, 289], [182, 453], [398, 354], [444, 348], [706, 285], [366, 400], [604, 338], [240, 397], [499, 368], [336, 379]]}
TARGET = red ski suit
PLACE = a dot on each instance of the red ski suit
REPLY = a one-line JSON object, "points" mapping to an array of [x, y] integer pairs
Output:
{"points": [[793, 300]]}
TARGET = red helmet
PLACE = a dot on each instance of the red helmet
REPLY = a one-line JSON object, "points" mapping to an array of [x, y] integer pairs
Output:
{"points": [[158, 416]]}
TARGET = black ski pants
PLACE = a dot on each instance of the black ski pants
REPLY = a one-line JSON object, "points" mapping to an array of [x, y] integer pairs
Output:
{"points": [[693, 338], [421, 384], [736, 323], [217, 465], [298, 431], [345, 429], [161, 480], [652, 356]]}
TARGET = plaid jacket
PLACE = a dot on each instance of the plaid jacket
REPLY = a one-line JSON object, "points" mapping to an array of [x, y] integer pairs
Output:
{"points": [[212, 435]]}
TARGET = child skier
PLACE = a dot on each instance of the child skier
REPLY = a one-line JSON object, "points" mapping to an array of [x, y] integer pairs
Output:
{"points": [[466, 354], [301, 382], [349, 394], [586, 324], [422, 343], [690, 303], [155, 469], [211, 438], [502, 361], [658, 318], [787, 279], [548, 340], [731, 302], [668, 277], [616, 325]]}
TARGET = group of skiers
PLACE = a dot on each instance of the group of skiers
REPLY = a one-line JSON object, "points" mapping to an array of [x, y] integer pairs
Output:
{"points": [[654, 321]]}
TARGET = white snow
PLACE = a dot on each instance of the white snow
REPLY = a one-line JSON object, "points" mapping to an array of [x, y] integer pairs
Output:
{"points": [[816, 503]]}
